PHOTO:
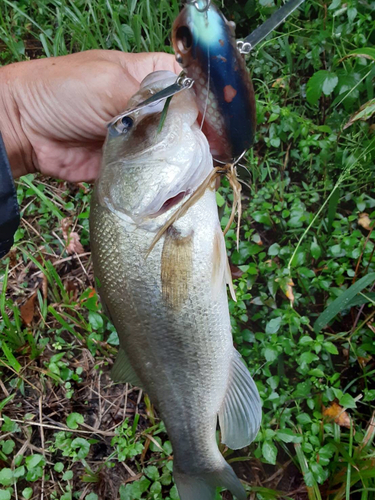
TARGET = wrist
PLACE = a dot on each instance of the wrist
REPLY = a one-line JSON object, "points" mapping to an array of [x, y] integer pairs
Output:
{"points": [[18, 148]]}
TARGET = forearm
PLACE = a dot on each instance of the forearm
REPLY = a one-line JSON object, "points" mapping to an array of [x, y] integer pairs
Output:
{"points": [[17, 146]]}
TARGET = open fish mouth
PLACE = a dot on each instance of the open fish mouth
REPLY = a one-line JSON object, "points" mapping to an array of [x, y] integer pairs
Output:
{"points": [[180, 144]]}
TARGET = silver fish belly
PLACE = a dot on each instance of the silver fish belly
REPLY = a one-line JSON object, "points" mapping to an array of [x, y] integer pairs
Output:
{"points": [[171, 309]]}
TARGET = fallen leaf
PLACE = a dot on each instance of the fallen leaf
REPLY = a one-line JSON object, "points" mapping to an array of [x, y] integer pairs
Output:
{"points": [[28, 309], [72, 288], [236, 271], [74, 245], [289, 291], [83, 187], [279, 83], [71, 237], [365, 221], [364, 113], [44, 286], [338, 414], [12, 257], [363, 361]]}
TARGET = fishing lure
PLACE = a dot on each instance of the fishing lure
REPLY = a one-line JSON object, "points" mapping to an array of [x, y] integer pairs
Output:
{"points": [[205, 46]]}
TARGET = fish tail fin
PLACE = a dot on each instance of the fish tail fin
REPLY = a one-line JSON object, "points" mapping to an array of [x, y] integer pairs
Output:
{"points": [[203, 487]]}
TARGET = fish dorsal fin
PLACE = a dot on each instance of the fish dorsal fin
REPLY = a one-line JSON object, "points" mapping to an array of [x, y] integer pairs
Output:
{"points": [[221, 270], [123, 371], [241, 412]]}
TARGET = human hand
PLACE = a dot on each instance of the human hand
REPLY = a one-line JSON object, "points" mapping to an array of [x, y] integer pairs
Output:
{"points": [[53, 112]]}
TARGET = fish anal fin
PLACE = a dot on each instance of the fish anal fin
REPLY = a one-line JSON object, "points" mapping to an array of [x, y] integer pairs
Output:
{"points": [[241, 413], [176, 267], [220, 264], [123, 371]]}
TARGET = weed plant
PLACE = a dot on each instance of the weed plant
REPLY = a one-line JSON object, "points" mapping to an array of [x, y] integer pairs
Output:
{"points": [[304, 273]]}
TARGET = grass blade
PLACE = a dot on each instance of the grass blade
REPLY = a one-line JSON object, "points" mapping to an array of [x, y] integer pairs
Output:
{"points": [[342, 302]]}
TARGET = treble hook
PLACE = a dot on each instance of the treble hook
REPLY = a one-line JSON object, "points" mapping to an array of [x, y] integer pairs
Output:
{"points": [[196, 3]]}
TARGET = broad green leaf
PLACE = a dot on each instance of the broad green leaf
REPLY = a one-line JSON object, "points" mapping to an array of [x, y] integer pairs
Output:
{"points": [[68, 475], [347, 401], [352, 14], [288, 436], [73, 420], [303, 418], [334, 4], [7, 446], [308, 357], [27, 493], [82, 445], [274, 249], [95, 320], [219, 199], [316, 372], [269, 452], [342, 301], [331, 348], [58, 467], [273, 325], [4, 495], [321, 81], [329, 83], [91, 496], [271, 353], [6, 476], [315, 249], [33, 461], [152, 472]]}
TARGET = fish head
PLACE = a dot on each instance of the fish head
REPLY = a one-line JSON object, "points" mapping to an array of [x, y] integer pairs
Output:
{"points": [[205, 46], [146, 169]]}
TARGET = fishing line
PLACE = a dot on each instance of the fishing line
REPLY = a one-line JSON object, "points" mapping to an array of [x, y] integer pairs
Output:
{"points": [[208, 86]]}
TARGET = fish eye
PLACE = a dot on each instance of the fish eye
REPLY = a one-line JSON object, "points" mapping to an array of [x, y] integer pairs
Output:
{"points": [[184, 39]]}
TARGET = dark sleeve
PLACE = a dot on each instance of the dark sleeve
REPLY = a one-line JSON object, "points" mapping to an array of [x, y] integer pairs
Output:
{"points": [[9, 212]]}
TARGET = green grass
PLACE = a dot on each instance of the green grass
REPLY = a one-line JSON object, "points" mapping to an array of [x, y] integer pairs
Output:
{"points": [[64, 428]]}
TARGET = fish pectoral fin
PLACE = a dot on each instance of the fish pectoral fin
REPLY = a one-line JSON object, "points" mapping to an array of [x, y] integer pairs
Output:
{"points": [[176, 266], [123, 371], [241, 412], [221, 270]]}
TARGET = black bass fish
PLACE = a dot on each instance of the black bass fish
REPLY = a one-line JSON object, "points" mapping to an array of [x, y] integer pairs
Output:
{"points": [[205, 46], [170, 305]]}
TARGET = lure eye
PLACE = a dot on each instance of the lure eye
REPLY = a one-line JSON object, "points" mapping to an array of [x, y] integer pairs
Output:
{"points": [[184, 39], [127, 122], [121, 126]]}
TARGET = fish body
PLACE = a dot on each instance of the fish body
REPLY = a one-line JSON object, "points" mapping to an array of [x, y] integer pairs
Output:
{"points": [[170, 307], [205, 46]]}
